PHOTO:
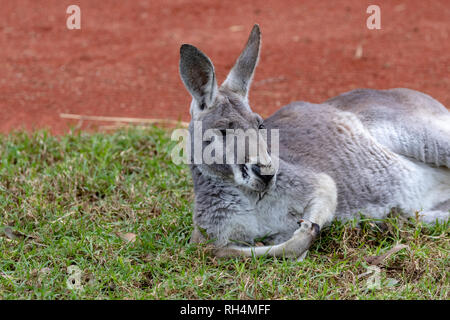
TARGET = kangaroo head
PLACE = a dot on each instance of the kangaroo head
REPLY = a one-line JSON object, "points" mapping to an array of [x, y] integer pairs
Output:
{"points": [[226, 118]]}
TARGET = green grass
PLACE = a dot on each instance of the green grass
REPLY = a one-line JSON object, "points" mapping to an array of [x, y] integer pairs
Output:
{"points": [[72, 195]]}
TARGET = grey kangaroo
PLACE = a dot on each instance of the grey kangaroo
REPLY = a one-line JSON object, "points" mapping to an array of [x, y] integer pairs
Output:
{"points": [[363, 151]]}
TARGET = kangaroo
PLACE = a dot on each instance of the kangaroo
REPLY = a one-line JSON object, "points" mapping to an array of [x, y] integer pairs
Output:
{"points": [[363, 151]]}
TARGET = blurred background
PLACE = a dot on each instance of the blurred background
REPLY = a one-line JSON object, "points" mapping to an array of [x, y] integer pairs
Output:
{"points": [[124, 60]]}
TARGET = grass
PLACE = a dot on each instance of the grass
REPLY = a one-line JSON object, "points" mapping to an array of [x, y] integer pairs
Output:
{"points": [[67, 201]]}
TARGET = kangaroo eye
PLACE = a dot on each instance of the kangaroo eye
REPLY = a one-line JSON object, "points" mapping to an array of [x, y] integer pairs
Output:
{"points": [[261, 126], [223, 132]]}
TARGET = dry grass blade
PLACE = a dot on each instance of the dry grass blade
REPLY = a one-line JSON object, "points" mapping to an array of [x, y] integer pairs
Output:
{"points": [[236, 28], [14, 235], [17, 236], [376, 260], [124, 119]]}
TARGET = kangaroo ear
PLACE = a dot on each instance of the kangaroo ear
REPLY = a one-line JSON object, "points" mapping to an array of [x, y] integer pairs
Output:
{"points": [[197, 73], [240, 76]]}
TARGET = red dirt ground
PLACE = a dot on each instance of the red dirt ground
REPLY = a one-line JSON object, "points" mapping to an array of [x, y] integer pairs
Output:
{"points": [[124, 60]]}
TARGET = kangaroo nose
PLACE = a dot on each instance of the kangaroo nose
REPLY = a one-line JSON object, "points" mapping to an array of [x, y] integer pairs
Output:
{"points": [[264, 177]]}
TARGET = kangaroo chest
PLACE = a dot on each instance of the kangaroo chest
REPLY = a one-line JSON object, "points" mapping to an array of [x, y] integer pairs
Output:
{"points": [[270, 220]]}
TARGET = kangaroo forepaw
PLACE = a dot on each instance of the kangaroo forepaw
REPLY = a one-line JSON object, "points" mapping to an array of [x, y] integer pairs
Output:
{"points": [[302, 239], [307, 228]]}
